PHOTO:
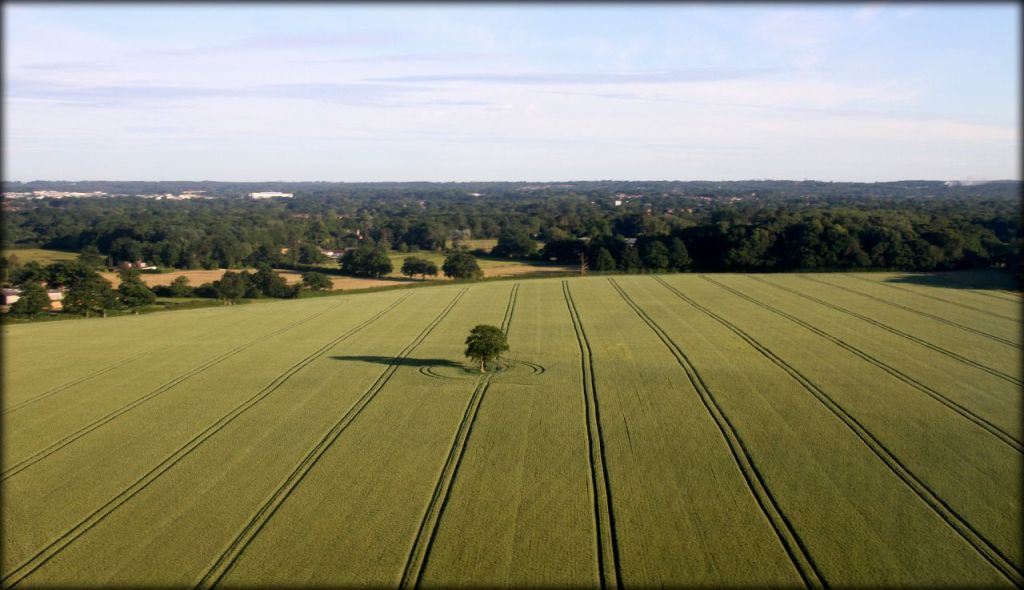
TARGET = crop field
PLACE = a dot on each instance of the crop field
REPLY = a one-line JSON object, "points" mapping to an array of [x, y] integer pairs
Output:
{"points": [[644, 430]]}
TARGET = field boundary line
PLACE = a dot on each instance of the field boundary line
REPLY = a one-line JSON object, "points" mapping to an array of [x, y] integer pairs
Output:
{"points": [[117, 365], [790, 540], [25, 569], [604, 517], [947, 301], [918, 312], [989, 427], [988, 550], [229, 557], [419, 553], [995, 372], [92, 426]]}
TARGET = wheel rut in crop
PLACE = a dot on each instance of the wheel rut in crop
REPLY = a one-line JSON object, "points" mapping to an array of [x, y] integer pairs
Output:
{"points": [[604, 516], [25, 569], [976, 540], [956, 303], [69, 384], [419, 554], [96, 424], [784, 531], [98, 373], [227, 560], [989, 427], [919, 312], [995, 372]]}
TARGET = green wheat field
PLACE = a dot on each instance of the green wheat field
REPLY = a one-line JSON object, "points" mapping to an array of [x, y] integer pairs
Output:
{"points": [[676, 430]]}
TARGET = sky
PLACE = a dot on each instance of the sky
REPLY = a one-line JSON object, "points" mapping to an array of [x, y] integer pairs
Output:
{"points": [[487, 92]]}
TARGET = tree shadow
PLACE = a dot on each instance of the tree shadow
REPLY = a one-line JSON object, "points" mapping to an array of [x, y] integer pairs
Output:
{"points": [[962, 279], [402, 362]]}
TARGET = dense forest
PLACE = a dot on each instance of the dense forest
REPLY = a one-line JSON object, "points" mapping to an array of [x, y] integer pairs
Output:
{"points": [[616, 225]]}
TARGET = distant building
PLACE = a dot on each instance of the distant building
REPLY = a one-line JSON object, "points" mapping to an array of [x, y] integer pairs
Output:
{"points": [[9, 296], [270, 195]]}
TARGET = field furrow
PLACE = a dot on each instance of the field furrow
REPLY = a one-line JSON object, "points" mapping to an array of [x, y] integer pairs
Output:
{"points": [[604, 516], [958, 302], [24, 519], [673, 430], [223, 565], [1012, 379], [974, 472], [685, 514], [47, 422], [789, 538], [36, 366], [368, 493], [62, 387], [1000, 331], [926, 494], [991, 416], [520, 512], [420, 552], [20, 465]]}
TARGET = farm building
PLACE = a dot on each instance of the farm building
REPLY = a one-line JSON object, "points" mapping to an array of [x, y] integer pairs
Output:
{"points": [[9, 296]]}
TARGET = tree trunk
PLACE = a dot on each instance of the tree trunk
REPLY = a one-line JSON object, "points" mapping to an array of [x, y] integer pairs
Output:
{"points": [[482, 366]]}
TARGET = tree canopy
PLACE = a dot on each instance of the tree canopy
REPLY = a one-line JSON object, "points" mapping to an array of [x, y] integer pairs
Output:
{"points": [[461, 265], [368, 260], [485, 344], [32, 301], [413, 266], [132, 292]]}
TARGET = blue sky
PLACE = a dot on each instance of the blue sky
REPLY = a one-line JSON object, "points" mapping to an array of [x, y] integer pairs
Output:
{"points": [[391, 92]]}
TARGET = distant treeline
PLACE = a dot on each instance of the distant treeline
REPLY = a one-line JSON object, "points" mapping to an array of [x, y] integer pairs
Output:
{"points": [[754, 225]]}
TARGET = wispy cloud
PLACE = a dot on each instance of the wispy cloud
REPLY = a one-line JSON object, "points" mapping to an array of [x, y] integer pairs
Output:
{"points": [[450, 56], [666, 77], [277, 42], [146, 94]]}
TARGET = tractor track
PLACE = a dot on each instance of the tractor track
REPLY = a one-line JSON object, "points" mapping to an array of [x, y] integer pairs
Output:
{"points": [[995, 372], [25, 569], [226, 561], [103, 371], [609, 569], [69, 384], [790, 540], [976, 540], [419, 554], [918, 312], [947, 301], [989, 427], [92, 426]]}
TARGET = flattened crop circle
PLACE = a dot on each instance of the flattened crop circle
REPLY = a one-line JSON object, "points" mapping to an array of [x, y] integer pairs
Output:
{"points": [[515, 368]]}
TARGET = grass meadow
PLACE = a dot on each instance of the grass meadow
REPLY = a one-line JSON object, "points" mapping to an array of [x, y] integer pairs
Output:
{"points": [[674, 430]]}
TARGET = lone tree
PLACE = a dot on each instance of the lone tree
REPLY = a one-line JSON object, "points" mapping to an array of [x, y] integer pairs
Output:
{"points": [[368, 260], [461, 265], [485, 343]]}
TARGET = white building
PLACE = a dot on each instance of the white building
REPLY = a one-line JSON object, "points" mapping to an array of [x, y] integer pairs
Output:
{"points": [[270, 195]]}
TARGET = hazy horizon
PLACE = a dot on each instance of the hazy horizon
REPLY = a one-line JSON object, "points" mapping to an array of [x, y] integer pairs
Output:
{"points": [[512, 93]]}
